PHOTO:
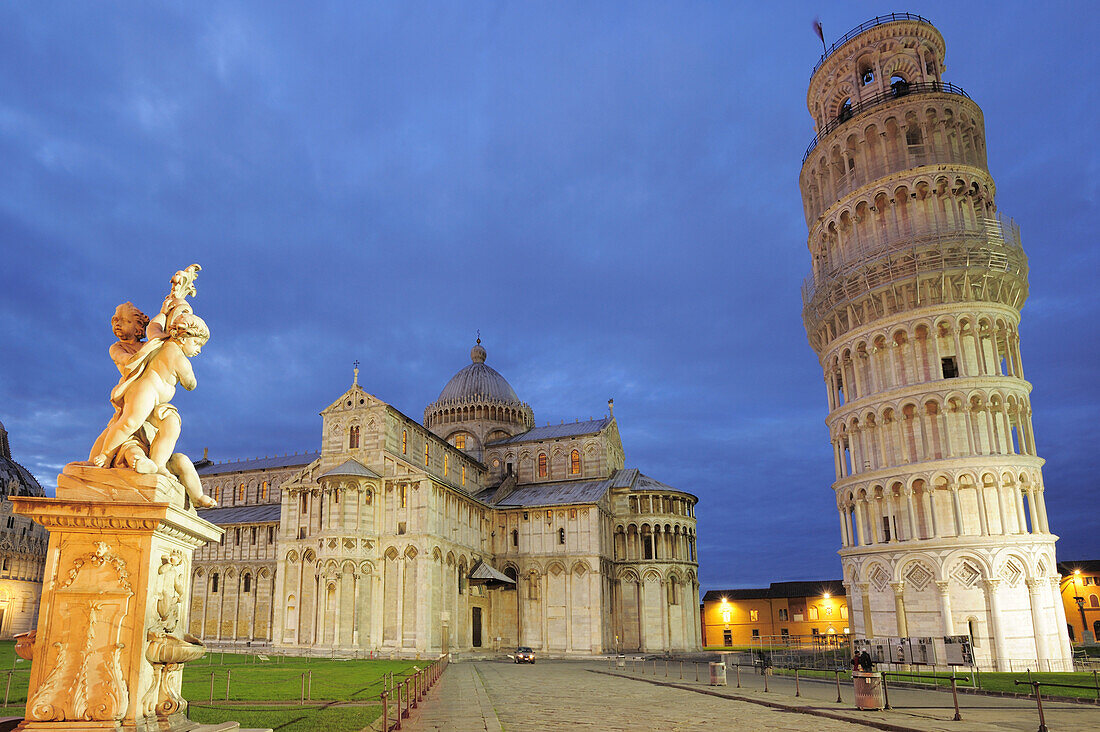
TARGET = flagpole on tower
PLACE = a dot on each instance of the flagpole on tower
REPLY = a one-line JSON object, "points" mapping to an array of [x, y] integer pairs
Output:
{"points": [[820, 34]]}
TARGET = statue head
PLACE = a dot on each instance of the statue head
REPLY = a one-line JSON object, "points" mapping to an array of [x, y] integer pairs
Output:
{"points": [[189, 325], [128, 323]]}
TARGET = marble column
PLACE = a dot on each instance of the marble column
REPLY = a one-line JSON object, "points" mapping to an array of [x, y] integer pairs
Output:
{"points": [[1034, 588], [996, 624], [945, 607]]}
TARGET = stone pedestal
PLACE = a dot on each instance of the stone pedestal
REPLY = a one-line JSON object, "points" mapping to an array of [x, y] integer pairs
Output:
{"points": [[110, 646]]}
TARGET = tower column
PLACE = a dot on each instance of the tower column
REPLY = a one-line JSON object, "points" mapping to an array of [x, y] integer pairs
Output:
{"points": [[945, 607], [1034, 589], [899, 608], [995, 624]]}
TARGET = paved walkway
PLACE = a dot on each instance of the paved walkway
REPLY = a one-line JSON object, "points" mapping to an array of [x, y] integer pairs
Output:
{"points": [[487, 696], [554, 695]]}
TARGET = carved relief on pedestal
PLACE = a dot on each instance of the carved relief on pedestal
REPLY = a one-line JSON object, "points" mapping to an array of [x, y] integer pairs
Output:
{"points": [[166, 652], [84, 680]]}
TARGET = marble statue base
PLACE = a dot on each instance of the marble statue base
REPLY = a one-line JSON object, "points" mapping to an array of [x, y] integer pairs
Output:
{"points": [[110, 646]]}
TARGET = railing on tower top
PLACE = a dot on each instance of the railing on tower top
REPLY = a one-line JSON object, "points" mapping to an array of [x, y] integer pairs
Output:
{"points": [[988, 245], [880, 20], [897, 91]]}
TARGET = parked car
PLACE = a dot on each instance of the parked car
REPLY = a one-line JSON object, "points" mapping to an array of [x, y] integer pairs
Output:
{"points": [[524, 655]]}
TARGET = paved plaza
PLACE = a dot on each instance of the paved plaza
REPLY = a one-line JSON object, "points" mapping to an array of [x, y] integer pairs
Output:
{"points": [[490, 696]]}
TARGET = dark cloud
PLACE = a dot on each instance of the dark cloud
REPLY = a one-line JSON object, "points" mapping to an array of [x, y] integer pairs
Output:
{"points": [[609, 192]]}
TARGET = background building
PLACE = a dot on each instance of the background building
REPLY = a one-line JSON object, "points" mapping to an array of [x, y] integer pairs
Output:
{"points": [[780, 611], [1081, 599], [475, 530], [22, 548], [913, 308]]}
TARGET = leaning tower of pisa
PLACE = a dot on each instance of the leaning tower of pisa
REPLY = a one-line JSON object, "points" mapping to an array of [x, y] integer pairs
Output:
{"points": [[913, 308]]}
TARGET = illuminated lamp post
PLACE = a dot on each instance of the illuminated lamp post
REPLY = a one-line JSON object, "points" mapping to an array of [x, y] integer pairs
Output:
{"points": [[1086, 636]]}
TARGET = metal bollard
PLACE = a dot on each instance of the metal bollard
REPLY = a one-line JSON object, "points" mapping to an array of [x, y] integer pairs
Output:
{"points": [[696, 670], [228, 676], [797, 690], [738, 667], [955, 697], [666, 668], [838, 699], [1097, 685], [885, 693], [765, 670], [399, 712], [681, 670], [211, 687]]}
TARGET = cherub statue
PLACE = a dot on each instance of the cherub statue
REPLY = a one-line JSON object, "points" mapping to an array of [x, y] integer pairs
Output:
{"points": [[144, 418]]}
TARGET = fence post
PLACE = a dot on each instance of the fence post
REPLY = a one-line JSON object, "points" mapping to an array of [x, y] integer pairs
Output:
{"points": [[309, 685], [765, 670], [211, 687], [385, 713], [7, 692], [666, 668], [955, 698], [1096, 684], [696, 670], [885, 692], [228, 676], [838, 699], [681, 670], [399, 712], [797, 690], [303, 690]]}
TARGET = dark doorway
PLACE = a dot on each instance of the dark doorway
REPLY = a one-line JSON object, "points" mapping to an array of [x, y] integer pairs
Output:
{"points": [[475, 617]]}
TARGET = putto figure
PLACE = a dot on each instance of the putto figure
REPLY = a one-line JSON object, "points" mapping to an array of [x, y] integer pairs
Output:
{"points": [[143, 433]]}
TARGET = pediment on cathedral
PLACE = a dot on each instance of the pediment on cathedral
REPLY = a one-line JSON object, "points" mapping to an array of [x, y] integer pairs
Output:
{"points": [[353, 398]]}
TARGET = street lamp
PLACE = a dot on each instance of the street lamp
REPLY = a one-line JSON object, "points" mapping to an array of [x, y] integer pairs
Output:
{"points": [[1080, 600]]}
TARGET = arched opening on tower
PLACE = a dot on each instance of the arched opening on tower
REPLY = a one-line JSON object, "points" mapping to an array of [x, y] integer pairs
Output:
{"points": [[898, 85]]}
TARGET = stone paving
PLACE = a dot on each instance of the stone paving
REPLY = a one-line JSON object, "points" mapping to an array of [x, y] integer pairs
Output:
{"points": [[490, 696], [487, 696]]}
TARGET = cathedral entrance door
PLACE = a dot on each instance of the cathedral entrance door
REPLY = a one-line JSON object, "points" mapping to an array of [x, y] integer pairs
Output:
{"points": [[475, 618]]}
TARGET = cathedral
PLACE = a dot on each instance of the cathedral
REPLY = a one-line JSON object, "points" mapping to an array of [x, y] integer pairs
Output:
{"points": [[472, 531]]}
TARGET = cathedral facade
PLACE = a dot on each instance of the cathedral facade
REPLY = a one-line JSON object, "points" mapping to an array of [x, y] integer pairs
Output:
{"points": [[472, 531]]}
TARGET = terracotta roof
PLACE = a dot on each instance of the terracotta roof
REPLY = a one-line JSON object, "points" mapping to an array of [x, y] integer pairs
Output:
{"points": [[778, 590]]}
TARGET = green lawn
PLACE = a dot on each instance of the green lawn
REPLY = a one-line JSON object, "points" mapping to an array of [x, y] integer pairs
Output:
{"points": [[279, 679], [289, 719], [989, 681]]}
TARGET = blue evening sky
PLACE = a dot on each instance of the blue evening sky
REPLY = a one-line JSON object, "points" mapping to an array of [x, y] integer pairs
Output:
{"points": [[609, 191]]}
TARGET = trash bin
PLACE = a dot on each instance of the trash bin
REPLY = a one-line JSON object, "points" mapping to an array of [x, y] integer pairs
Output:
{"points": [[717, 674], [868, 690], [620, 662]]}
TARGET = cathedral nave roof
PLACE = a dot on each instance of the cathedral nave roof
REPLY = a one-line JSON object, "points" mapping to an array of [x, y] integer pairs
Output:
{"points": [[556, 431], [265, 513], [264, 463]]}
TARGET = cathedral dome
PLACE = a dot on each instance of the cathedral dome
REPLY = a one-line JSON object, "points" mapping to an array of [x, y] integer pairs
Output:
{"points": [[478, 403], [478, 383]]}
